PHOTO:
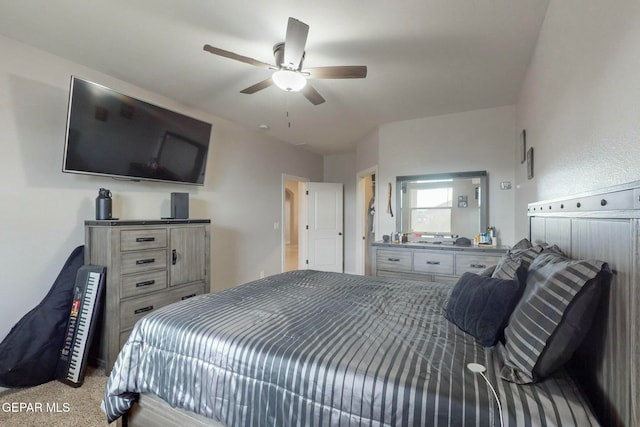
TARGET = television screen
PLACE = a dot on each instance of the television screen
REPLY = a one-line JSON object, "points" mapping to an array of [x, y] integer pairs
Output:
{"points": [[112, 134]]}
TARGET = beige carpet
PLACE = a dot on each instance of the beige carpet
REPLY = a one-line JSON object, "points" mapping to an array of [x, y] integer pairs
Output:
{"points": [[56, 404]]}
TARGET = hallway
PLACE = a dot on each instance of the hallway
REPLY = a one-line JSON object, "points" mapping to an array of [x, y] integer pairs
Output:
{"points": [[291, 257]]}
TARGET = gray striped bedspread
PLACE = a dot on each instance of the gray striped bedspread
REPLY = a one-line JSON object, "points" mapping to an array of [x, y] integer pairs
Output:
{"points": [[309, 348]]}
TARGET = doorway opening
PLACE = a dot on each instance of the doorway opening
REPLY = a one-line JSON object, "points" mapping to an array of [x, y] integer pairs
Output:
{"points": [[365, 219], [292, 238]]}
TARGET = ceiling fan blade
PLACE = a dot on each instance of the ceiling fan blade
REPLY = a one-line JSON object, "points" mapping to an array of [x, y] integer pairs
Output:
{"points": [[312, 95], [258, 86], [231, 55], [294, 44], [338, 72]]}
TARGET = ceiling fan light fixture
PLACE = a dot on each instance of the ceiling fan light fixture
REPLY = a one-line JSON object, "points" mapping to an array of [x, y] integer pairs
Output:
{"points": [[289, 80]]}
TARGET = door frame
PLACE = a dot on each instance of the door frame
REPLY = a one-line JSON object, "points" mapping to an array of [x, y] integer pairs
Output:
{"points": [[302, 237], [360, 214]]}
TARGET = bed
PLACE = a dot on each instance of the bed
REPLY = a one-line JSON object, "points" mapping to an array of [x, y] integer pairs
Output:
{"points": [[318, 348]]}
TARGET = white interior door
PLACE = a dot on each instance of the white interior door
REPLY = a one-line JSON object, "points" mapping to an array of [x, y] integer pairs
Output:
{"points": [[325, 239]]}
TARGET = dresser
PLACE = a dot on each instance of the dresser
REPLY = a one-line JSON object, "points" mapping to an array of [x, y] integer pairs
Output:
{"points": [[150, 264], [443, 263]]}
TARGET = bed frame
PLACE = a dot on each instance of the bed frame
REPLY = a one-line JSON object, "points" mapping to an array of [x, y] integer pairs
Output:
{"points": [[602, 224], [150, 410]]}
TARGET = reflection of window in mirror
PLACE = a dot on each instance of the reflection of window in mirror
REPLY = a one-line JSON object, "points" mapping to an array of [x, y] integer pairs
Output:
{"points": [[446, 204], [431, 208]]}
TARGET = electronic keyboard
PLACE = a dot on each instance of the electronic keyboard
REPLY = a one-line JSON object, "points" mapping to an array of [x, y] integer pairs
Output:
{"points": [[87, 297]]}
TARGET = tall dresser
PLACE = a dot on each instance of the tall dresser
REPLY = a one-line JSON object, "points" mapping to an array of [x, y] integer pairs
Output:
{"points": [[150, 264]]}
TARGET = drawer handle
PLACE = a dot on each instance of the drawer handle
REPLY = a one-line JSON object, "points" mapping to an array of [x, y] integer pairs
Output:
{"points": [[478, 266], [393, 259], [187, 297], [145, 239], [145, 283], [174, 256], [433, 262], [143, 309], [145, 261]]}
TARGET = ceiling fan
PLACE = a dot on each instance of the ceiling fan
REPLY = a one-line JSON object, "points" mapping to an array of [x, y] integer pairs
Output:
{"points": [[288, 72]]}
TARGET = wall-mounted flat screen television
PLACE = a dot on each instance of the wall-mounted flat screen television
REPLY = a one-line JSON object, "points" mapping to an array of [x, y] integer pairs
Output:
{"points": [[116, 135]]}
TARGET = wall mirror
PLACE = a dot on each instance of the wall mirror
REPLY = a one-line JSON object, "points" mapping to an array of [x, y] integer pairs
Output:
{"points": [[443, 205]]}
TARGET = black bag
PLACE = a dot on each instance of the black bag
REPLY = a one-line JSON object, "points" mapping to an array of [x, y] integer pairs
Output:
{"points": [[29, 353]]}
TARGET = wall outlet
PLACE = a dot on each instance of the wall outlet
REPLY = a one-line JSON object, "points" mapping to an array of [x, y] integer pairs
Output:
{"points": [[262, 274], [505, 185]]}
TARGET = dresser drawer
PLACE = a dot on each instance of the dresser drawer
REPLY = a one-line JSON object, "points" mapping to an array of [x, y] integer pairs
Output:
{"points": [[433, 262], [134, 262], [388, 259], [134, 309], [135, 240], [142, 283], [474, 263]]}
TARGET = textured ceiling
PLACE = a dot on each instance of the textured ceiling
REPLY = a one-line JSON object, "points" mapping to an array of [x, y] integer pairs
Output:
{"points": [[424, 58]]}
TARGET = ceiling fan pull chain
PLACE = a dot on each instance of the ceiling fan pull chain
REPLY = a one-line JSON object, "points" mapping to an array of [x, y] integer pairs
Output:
{"points": [[288, 102]]}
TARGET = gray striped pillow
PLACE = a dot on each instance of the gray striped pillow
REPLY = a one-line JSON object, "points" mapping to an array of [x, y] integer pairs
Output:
{"points": [[512, 260], [522, 244], [487, 272], [552, 317], [507, 266]]}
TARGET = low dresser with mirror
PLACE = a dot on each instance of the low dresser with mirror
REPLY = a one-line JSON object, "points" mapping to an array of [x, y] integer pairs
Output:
{"points": [[435, 211], [443, 263]]}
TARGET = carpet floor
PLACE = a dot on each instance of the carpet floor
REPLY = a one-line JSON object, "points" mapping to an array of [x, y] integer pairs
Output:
{"points": [[55, 404]]}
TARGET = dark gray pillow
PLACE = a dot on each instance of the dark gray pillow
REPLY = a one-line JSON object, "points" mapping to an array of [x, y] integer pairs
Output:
{"points": [[481, 306], [552, 317]]}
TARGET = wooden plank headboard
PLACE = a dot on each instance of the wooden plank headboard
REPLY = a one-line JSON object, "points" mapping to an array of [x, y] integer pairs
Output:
{"points": [[603, 224]]}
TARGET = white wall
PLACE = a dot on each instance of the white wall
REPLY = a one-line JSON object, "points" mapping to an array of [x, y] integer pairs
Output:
{"points": [[471, 141], [42, 210], [580, 101], [367, 151]]}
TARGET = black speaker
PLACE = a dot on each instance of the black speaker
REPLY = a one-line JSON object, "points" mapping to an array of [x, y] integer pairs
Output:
{"points": [[180, 205]]}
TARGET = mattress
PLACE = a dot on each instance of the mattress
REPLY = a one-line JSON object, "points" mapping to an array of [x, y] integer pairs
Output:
{"points": [[323, 349]]}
